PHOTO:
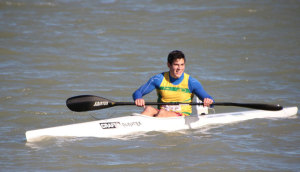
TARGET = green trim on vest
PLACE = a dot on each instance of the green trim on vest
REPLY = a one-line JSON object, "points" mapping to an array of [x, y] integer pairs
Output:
{"points": [[185, 90]]}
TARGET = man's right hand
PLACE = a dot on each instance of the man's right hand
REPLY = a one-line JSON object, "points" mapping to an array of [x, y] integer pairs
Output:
{"points": [[140, 102]]}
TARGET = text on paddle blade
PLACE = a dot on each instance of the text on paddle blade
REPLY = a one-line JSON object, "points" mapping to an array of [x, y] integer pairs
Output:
{"points": [[97, 103]]}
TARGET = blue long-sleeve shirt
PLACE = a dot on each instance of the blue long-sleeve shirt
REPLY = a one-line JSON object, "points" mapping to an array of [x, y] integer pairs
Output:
{"points": [[155, 81]]}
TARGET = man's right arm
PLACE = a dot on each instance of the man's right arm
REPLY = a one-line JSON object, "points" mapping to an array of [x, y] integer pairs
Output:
{"points": [[152, 83]]}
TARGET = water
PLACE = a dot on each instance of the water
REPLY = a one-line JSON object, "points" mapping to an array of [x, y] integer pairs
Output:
{"points": [[241, 51]]}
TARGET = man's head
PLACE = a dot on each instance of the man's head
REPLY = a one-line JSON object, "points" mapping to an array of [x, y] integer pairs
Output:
{"points": [[174, 55], [176, 63]]}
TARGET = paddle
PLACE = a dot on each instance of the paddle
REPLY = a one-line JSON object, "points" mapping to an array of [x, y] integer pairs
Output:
{"points": [[84, 103]]}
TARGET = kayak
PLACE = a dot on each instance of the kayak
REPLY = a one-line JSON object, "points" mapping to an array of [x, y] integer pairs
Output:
{"points": [[138, 123]]}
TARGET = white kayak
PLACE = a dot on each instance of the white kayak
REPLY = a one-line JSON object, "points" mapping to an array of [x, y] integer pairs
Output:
{"points": [[137, 123]]}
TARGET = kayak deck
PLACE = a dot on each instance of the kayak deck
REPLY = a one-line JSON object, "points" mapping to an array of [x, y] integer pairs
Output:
{"points": [[137, 123]]}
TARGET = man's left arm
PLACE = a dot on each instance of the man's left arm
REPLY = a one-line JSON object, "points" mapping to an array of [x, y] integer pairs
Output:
{"points": [[196, 88]]}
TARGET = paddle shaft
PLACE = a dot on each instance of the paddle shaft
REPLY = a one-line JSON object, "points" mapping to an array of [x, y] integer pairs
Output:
{"points": [[245, 105], [89, 102]]}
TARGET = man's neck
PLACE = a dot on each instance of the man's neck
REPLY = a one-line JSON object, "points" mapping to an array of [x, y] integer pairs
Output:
{"points": [[172, 79]]}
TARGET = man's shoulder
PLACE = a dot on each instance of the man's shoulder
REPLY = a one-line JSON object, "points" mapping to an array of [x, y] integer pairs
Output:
{"points": [[157, 76], [157, 79], [192, 79], [188, 75]]}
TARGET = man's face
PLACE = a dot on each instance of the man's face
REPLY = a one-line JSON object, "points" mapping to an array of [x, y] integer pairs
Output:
{"points": [[177, 68]]}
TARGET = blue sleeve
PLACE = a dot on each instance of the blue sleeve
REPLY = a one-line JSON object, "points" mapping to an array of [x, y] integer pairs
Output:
{"points": [[196, 88], [153, 83]]}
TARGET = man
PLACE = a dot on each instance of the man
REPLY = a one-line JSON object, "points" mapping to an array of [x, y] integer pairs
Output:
{"points": [[172, 86]]}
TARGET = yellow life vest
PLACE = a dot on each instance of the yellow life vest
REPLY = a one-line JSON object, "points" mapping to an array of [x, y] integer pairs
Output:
{"points": [[167, 92]]}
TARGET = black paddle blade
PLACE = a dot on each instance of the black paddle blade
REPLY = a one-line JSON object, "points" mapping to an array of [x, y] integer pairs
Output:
{"points": [[84, 103]]}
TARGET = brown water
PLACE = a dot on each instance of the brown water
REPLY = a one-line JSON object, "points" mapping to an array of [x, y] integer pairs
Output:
{"points": [[241, 51]]}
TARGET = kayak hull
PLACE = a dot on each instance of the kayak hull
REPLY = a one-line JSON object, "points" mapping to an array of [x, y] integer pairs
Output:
{"points": [[137, 123]]}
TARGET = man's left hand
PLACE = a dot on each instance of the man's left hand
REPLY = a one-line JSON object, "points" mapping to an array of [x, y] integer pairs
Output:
{"points": [[207, 102]]}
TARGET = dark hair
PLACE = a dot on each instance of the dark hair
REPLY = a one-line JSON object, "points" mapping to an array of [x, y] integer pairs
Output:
{"points": [[174, 55]]}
